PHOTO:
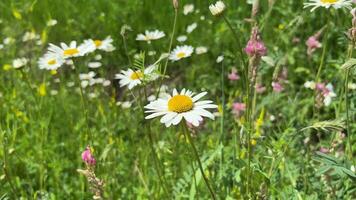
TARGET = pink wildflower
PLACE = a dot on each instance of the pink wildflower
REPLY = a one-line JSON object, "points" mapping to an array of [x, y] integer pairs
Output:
{"points": [[87, 157], [238, 108], [277, 87], [233, 76], [255, 46]]}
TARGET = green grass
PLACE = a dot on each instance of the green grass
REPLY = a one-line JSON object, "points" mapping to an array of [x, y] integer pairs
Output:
{"points": [[42, 137]]}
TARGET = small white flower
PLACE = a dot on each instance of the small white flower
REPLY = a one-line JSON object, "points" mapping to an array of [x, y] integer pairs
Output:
{"points": [[181, 52], [202, 18], [126, 104], [50, 61], [84, 83], [310, 85], [352, 86], [8, 40], [71, 50], [180, 105], [219, 59], [201, 50], [92, 95], [30, 36], [1, 46], [106, 83], [192, 27], [90, 75], [54, 92], [19, 62], [150, 35], [98, 57], [152, 53], [131, 78], [188, 8], [182, 38], [51, 22], [94, 65], [70, 84], [328, 3], [104, 45], [217, 8]]}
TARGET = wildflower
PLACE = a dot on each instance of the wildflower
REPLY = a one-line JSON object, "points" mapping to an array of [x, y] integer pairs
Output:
{"points": [[277, 87], [94, 65], [42, 90], [309, 85], [104, 45], [88, 157], [19, 62], [255, 46], [233, 76], [238, 108], [30, 36], [133, 78], [260, 88], [54, 92], [325, 93], [201, 50], [50, 61], [181, 52], [51, 22], [90, 75], [219, 59], [218, 8], [189, 8], [313, 44], [150, 35], [328, 3], [182, 38], [180, 105], [126, 104], [191, 27], [70, 51]]}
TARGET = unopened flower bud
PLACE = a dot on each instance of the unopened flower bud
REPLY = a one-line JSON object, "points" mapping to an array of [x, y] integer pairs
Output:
{"points": [[175, 4]]}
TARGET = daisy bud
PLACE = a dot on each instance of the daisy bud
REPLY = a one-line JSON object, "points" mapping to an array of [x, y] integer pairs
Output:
{"points": [[175, 4], [218, 8], [87, 157]]}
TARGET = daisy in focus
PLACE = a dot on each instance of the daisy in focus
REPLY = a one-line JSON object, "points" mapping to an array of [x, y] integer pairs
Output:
{"points": [[71, 50], [181, 52], [105, 45], [150, 35], [50, 61], [181, 105], [328, 3], [132, 78]]}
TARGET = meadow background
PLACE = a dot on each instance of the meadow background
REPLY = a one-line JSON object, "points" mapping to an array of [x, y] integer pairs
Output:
{"points": [[44, 128]]}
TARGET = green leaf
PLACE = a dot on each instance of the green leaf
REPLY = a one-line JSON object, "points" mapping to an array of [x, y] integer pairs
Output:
{"points": [[351, 63]]}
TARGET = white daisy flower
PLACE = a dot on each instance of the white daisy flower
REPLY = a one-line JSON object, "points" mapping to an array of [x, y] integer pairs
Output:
{"points": [[105, 45], [191, 27], [90, 75], [182, 38], [19, 62], [181, 52], [70, 51], [180, 105], [150, 35], [201, 50], [189, 8], [131, 78], [217, 8], [50, 61], [94, 65], [328, 3]]}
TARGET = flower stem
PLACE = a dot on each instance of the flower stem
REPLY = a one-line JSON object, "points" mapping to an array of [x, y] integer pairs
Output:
{"points": [[347, 105], [169, 50], [190, 140]]}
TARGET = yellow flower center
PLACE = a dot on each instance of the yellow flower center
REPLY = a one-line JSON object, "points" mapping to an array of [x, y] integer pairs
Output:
{"points": [[329, 1], [98, 43], [181, 55], [136, 75], [70, 52], [52, 62], [180, 103]]}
